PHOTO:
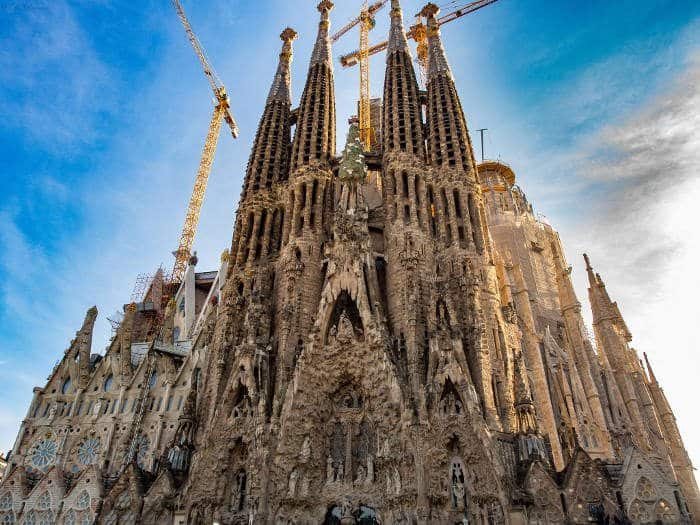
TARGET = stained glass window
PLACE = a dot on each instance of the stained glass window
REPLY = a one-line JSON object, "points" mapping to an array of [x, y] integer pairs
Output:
{"points": [[44, 453], [66, 386], [143, 444], [108, 383], [44, 501], [83, 501], [8, 519], [30, 519], [88, 450], [46, 519], [123, 501], [70, 518], [6, 501], [153, 380]]}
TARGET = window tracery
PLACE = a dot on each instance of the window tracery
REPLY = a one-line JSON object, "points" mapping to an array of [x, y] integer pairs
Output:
{"points": [[664, 513], [458, 487], [238, 493], [88, 450], [43, 454], [638, 511], [242, 406], [646, 490], [8, 519], [71, 518], [450, 400], [143, 445], [44, 501], [6, 501], [83, 501]]}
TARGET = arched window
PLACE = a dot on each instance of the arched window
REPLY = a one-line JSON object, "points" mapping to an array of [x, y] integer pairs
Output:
{"points": [[333, 516], [83, 501], [107, 386], [66, 386], [6, 501], [458, 487], [238, 493], [70, 518], [152, 380], [44, 501]]}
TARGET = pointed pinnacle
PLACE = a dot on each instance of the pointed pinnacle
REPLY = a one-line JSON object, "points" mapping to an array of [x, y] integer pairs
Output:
{"points": [[650, 370]]}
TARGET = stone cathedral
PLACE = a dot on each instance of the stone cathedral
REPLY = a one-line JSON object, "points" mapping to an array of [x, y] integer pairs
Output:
{"points": [[392, 338]]}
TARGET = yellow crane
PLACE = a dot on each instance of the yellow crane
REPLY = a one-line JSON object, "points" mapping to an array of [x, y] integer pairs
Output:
{"points": [[417, 32], [222, 111], [366, 23]]}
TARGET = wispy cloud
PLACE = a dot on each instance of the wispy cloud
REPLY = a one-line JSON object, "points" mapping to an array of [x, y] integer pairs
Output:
{"points": [[54, 85], [639, 225]]}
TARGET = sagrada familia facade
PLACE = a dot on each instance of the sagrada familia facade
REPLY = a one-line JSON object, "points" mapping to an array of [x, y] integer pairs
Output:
{"points": [[393, 337]]}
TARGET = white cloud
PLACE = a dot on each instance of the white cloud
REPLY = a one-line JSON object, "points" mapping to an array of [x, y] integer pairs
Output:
{"points": [[640, 228]]}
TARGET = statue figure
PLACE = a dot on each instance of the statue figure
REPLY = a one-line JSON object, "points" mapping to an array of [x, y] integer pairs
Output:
{"points": [[305, 450], [52, 413], [96, 408], [329, 469], [360, 474], [397, 481], [293, 478]]}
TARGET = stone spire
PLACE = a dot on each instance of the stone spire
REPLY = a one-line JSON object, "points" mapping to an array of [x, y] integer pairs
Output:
{"points": [[650, 371], [401, 128], [125, 332], [314, 139], [85, 345], [602, 306], [448, 138], [269, 157]]}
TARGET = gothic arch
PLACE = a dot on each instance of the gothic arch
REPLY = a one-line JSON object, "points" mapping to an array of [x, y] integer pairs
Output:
{"points": [[343, 306]]}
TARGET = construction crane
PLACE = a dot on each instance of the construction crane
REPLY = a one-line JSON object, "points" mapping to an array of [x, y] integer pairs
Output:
{"points": [[366, 23], [222, 111], [417, 32]]}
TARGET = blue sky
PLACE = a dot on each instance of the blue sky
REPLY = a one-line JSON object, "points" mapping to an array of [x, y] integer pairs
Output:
{"points": [[104, 109]]}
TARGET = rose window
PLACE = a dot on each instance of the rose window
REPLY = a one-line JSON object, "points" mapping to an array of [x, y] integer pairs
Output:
{"points": [[44, 453], [89, 450]]}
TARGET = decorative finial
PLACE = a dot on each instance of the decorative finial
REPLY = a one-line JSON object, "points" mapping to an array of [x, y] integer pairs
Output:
{"points": [[131, 308], [588, 262], [225, 256], [430, 10], [325, 6], [288, 35]]}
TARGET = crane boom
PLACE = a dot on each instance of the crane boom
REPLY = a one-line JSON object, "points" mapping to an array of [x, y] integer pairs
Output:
{"points": [[352, 23], [416, 32], [216, 85], [221, 112]]}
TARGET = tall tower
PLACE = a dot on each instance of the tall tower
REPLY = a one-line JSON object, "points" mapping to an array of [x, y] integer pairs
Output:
{"points": [[308, 197], [405, 231]]}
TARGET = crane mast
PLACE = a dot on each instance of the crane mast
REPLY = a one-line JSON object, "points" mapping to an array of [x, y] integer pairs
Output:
{"points": [[417, 32], [366, 23], [221, 112]]}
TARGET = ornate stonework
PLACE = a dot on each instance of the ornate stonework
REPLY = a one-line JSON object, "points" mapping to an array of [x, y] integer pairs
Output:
{"points": [[402, 346]]}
